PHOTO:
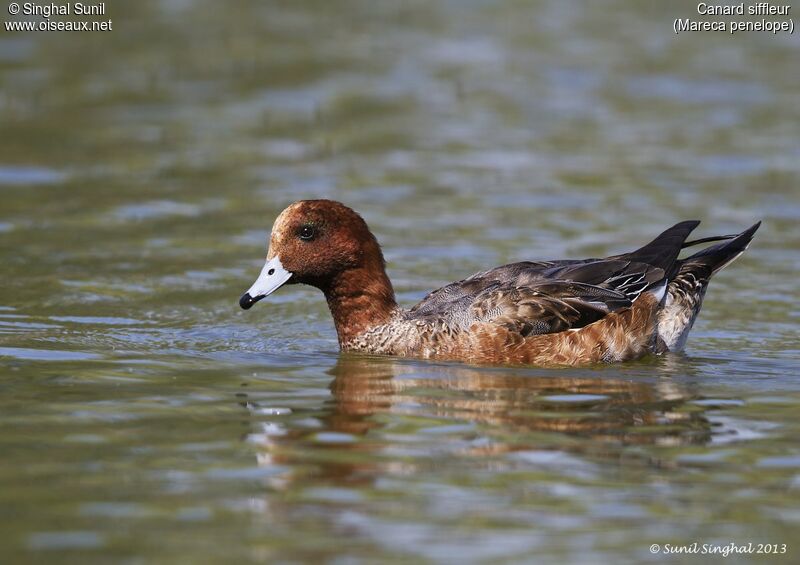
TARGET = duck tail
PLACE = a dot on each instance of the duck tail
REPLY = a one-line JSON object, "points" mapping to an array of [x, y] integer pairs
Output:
{"points": [[663, 251], [714, 258], [687, 287]]}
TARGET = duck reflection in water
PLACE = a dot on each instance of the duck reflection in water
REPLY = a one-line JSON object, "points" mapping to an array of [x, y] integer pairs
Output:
{"points": [[390, 416], [595, 407]]}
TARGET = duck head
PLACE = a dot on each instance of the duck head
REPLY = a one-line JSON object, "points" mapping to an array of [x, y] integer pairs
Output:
{"points": [[327, 245]]}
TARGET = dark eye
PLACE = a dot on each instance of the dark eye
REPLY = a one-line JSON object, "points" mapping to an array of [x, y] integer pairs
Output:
{"points": [[306, 233]]}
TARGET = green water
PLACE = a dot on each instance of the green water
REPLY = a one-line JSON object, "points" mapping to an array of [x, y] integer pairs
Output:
{"points": [[145, 418]]}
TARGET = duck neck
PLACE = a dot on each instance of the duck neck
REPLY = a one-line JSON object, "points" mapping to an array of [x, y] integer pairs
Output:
{"points": [[360, 298]]}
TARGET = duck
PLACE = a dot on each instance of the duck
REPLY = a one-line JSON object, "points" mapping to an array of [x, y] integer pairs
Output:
{"points": [[554, 312]]}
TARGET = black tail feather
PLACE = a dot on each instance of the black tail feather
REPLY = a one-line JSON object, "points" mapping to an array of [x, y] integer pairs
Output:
{"points": [[707, 240], [715, 257], [687, 288], [663, 251]]}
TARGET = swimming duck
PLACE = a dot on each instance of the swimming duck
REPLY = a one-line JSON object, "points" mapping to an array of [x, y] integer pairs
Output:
{"points": [[563, 312]]}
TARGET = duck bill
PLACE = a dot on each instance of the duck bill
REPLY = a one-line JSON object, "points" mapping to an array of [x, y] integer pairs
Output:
{"points": [[272, 277]]}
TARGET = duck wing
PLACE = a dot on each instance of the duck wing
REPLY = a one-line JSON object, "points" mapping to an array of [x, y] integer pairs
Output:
{"points": [[543, 297], [533, 297], [461, 294], [547, 307]]}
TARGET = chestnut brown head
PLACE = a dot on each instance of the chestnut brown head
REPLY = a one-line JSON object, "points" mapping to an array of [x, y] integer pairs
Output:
{"points": [[313, 242]]}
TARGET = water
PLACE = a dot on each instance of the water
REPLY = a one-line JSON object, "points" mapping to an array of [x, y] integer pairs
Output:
{"points": [[145, 418]]}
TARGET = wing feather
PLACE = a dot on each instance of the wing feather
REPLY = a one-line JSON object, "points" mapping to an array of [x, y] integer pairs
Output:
{"points": [[533, 297], [539, 297]]}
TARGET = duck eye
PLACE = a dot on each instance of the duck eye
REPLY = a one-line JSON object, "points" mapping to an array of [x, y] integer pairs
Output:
{"points": [[306, 233]]}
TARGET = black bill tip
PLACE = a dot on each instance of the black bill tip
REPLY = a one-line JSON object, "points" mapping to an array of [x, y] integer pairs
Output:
{"points": [[247, 301]]}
